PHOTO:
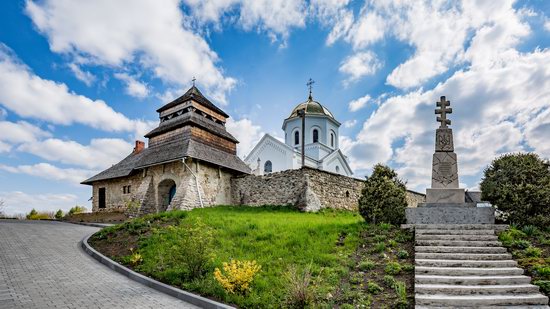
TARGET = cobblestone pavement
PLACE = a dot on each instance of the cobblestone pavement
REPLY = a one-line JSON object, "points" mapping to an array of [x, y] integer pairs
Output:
{"points": [[43, 266]]}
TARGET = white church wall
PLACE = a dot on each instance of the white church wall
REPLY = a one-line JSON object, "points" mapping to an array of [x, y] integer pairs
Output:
{"points": [[271, 150]]}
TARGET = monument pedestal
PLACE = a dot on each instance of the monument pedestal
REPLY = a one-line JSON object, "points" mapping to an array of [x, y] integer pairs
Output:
{"points": [[462, 213], [445, 201]]}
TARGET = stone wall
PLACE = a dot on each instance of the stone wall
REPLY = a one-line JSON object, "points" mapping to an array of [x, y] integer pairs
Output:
{"points": [[307, 188], [213, 186]]}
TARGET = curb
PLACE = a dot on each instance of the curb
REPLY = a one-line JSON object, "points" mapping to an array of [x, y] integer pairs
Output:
{"points": [[100, 225], [159, 286]]}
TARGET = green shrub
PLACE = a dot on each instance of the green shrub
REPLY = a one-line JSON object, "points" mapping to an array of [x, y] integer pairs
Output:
{"points": [[392, 268], [380, 238], [389, 281], [347, 306], [77, 210], [533, 252], [520, 244], [544, 286], [184, 249], [402, 254], [519, 184], [530, 230], [401, 291], [383, 198], [379, 247], [407, 267], [385, 226], [35, 215], [59, 214], [542, 271], [374, 288], [392, 243], [366, 265]]}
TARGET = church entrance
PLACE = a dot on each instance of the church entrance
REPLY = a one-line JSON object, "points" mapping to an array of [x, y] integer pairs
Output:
{"points": [[166, 192]]}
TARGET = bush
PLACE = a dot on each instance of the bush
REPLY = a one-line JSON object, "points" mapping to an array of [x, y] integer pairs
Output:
{"points": [[530, 230], [300, 293], [366, 265], [383, 198], [77, 210], [374, 288], [401, 291], [392, 268], [180, 252], [389, 281], [402, 254], [533, 252], [519, 184], [544, 285], [59, 214], [35, 215], [237, 276]]}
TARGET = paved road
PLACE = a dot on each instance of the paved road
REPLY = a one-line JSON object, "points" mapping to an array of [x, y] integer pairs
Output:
{"points": [[43, 266]]}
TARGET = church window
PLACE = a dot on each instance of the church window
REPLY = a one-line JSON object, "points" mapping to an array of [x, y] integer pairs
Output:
{"points": [[296, 138], [331, 139], [337, 169], [268, 167], [315, 136]]}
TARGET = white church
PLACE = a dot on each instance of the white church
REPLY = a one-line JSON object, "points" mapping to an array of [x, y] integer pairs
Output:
{"points": [[321, 144]]}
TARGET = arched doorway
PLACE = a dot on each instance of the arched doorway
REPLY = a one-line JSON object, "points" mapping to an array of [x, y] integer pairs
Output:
{"points": [[166, 192]]}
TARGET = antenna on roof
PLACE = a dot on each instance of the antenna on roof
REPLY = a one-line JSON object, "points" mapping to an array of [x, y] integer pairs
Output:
{"points": [[310, 83]]}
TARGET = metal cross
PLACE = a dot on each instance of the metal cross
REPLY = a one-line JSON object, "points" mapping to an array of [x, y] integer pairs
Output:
{"points": [[193, 80], [443, 110], [310, 83]]}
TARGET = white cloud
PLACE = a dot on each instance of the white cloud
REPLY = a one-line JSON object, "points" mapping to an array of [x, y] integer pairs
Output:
{"points": [[100, 153], [246, 132], [276, 17], [84, 76], [20, 132], [547, 25], [3, 114], [358, 104], [29, 95], [367, 30], [134, 87], [350, 123], [4, 147], [18, 202], [142, 32], [360, 65], [496, 110], [48, 171]]}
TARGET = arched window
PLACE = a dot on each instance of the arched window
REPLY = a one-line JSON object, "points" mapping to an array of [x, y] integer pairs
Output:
{"points": [[331, 139], [337, 169], [268, 167], [315, 135], [296, 138]]}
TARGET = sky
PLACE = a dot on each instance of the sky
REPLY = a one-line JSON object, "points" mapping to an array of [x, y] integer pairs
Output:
{"points": [[80, 81]]}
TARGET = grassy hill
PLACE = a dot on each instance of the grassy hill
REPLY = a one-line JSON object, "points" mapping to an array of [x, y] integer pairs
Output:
{"points": [[326, 259]]}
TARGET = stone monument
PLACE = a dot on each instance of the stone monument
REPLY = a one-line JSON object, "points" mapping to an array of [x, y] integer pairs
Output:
{"points": [[445, 201]]}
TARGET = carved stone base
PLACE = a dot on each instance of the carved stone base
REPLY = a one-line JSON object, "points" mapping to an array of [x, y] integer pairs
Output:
{"points": [[450, 215], [444, 170], [445, 196]]}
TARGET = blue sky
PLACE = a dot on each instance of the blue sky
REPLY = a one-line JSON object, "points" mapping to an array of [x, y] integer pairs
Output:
{"points": [[81, 80]]}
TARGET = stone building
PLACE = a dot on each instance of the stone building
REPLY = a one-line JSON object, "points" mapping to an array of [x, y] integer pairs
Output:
{"points": [[188, 163], [321, 143]]}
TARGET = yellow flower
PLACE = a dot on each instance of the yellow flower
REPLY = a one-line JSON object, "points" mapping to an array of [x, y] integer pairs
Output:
{"points": [[237, 275]]}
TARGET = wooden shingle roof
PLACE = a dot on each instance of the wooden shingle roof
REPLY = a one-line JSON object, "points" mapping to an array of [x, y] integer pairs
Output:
{"points": [[194, 94]]}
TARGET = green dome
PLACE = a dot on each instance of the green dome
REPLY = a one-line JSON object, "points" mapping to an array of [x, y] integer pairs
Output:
{"points": [[312, 108]]}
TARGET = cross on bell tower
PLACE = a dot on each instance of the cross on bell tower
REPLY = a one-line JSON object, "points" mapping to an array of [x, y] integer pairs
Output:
{"points": [[443, 110]]}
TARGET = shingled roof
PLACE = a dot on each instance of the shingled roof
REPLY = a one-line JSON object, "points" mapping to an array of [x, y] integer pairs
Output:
{"points": [[169, 152], [195, 94], [193, 118]]}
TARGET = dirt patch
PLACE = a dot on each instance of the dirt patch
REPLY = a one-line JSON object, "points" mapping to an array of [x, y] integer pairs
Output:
{"points": [[102, 217]]}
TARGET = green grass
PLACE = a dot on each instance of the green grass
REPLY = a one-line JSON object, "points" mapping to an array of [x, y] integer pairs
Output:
{"points": [[277, 238]]}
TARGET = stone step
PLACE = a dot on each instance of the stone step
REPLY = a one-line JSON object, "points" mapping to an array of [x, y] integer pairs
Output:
{"points": [[452, 289], [497, 227], [468, 271], [459, 243], [465, 250], [455, 232], [464, 256], [456, 237], [465, 263], [471, 280], [480, 300]]}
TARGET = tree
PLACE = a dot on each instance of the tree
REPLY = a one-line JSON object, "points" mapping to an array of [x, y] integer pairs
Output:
{"points": [[2, 207], [383, 198], [519, 184], [77, 210], [59, 214], [32, 214]]}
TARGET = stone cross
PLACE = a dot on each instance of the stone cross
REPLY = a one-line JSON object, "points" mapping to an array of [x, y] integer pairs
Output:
{"points": [[193, 80], [443, 111]]}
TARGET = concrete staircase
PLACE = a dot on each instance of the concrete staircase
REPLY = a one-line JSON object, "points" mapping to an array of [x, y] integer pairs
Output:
{"points": [[464, 265]]}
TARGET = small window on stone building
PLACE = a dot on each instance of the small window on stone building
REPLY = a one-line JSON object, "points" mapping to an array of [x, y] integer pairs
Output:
{"points": [[347, 193], [268, 167], [101, 198], [128, 189], [296, 138], [315, 136]]}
